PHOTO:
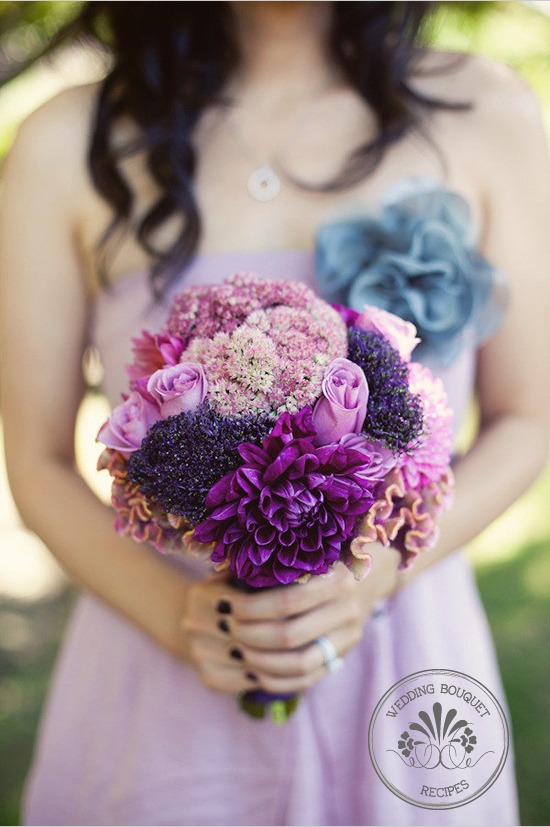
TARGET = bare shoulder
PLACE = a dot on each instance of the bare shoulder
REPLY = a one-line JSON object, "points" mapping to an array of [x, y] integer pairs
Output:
{"points": [[501, 101], [52, 142], [61, 121], [501, 137], [466, 76]]}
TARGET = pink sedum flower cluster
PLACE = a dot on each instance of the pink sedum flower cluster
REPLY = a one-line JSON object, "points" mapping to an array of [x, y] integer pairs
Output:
{"points": [[204, 311], [275, 360]]}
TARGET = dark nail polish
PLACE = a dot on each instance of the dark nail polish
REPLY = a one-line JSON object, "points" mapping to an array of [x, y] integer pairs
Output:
{"points": [[223, 625], [251, 676], [237, 654], [223, 607]]}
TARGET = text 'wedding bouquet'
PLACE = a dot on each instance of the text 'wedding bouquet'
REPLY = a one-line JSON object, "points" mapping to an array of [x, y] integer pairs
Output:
{"points": [[284, 432]]}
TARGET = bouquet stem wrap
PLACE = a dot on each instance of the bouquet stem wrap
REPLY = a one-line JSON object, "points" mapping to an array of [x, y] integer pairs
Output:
{"points": [[258, 703]]}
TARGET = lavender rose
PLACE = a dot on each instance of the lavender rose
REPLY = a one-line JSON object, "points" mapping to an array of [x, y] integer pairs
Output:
{"points": [[381, 459], [178, 389], [128, 424], [343, 406]]}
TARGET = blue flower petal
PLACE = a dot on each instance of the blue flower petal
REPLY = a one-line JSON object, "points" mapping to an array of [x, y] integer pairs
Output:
{"points": [[418, 259]]}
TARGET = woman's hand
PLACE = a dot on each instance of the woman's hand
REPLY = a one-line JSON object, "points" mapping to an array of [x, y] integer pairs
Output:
{"points": [[207, 643], [240, 640]]}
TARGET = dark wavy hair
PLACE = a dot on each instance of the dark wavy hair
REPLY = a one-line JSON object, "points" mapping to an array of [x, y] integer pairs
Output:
{"points": [[172, 59]]}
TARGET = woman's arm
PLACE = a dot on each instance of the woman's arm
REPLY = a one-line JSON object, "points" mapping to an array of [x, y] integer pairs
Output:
{"points": [[44, 324], [508, 151], [44, 307], [44, 317]]}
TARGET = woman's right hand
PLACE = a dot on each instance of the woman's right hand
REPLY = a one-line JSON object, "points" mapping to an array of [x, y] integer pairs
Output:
{"points": [[205, 626]]}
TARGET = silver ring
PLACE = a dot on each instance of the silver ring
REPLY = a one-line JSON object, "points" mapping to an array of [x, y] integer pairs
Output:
{"points": [[332, 662]]}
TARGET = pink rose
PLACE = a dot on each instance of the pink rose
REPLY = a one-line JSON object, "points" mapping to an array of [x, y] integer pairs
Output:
{"points": [[153, 352], [128, 424], [343, 406], [400, 334], [178, 388]]}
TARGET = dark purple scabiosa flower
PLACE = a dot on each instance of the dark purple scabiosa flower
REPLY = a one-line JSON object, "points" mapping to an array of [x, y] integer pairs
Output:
{"points": [[394, 414], [289, 508], [182, 457]]}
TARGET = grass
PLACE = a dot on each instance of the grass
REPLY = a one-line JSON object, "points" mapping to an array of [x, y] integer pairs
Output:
{"points": [[31, 633], [516, 596]]}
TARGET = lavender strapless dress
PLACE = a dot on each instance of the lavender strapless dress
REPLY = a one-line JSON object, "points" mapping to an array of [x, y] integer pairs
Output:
{"points": [[131, 736]]}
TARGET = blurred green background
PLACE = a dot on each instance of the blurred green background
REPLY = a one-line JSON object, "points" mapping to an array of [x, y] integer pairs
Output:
{"points": [[511, 558]]}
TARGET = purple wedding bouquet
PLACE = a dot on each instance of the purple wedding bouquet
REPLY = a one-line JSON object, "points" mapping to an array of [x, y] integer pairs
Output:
{"points": [[281, 432]]}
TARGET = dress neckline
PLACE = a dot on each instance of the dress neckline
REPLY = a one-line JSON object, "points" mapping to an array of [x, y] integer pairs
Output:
{"points": [[402, 187], [123, 282]]}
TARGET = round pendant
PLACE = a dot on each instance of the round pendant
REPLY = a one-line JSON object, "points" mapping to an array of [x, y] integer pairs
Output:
{"points": [[263, 184]]}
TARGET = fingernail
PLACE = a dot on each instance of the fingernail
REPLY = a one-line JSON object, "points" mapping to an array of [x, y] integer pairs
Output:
{"points": [[223, 625], [237, 654], [223, 607], [251, 676]]}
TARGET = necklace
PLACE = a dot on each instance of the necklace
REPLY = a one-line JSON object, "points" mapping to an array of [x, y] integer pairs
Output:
{"points": [[264, 182]]}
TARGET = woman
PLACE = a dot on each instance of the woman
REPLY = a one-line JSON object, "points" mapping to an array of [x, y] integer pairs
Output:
{"points": [[142, 724]]}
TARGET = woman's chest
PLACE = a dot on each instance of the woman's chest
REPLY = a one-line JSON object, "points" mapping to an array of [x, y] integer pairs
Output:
{"points": [[232, 219]]}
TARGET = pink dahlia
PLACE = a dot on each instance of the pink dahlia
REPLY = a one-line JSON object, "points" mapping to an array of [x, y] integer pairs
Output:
{"points": [[429, 459], [153, 352]]}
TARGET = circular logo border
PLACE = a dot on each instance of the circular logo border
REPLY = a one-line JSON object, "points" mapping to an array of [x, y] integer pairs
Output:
{"points": [[490, 781]]}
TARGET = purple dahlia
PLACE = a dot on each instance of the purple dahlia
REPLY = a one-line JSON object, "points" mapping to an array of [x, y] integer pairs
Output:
{"points": [[289, 508]]}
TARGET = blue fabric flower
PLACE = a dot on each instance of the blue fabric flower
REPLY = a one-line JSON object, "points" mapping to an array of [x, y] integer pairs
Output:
{"points": [[418, 259]]}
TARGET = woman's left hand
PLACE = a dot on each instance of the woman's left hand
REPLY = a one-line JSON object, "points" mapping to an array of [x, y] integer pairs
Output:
{"points": [[275, 630]]}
